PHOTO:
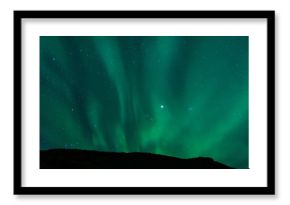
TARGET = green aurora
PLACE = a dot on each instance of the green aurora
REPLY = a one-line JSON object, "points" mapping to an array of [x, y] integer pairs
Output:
{"points": [[182, 96]]}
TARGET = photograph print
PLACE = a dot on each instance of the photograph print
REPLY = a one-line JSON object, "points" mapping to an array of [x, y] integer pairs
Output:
{"points": [[144, 102]]}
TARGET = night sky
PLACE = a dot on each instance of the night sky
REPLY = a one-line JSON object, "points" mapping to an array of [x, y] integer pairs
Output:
{"points": [[173, 95]]}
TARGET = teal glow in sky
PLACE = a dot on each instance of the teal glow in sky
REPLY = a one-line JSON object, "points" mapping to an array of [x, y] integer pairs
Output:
{"points": [[178, 96]]}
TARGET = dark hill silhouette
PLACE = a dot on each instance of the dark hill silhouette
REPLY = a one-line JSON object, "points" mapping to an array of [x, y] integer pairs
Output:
{"points": [[85, 159]]}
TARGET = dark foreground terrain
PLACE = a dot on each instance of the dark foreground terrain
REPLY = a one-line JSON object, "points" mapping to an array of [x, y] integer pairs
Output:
{"points": [[83, 159]]}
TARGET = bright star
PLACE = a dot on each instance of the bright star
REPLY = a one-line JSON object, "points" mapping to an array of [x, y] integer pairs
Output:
{"points": [[161, 106]]}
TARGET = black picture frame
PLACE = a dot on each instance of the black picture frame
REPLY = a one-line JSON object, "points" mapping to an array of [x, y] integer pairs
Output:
{"points": [[18, 163]]}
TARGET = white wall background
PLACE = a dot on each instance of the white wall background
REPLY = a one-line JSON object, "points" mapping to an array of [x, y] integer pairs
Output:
{"points": [[282, 98]]}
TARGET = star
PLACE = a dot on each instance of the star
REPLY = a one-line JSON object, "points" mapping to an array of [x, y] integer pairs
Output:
{"points": [[162, 106]]}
